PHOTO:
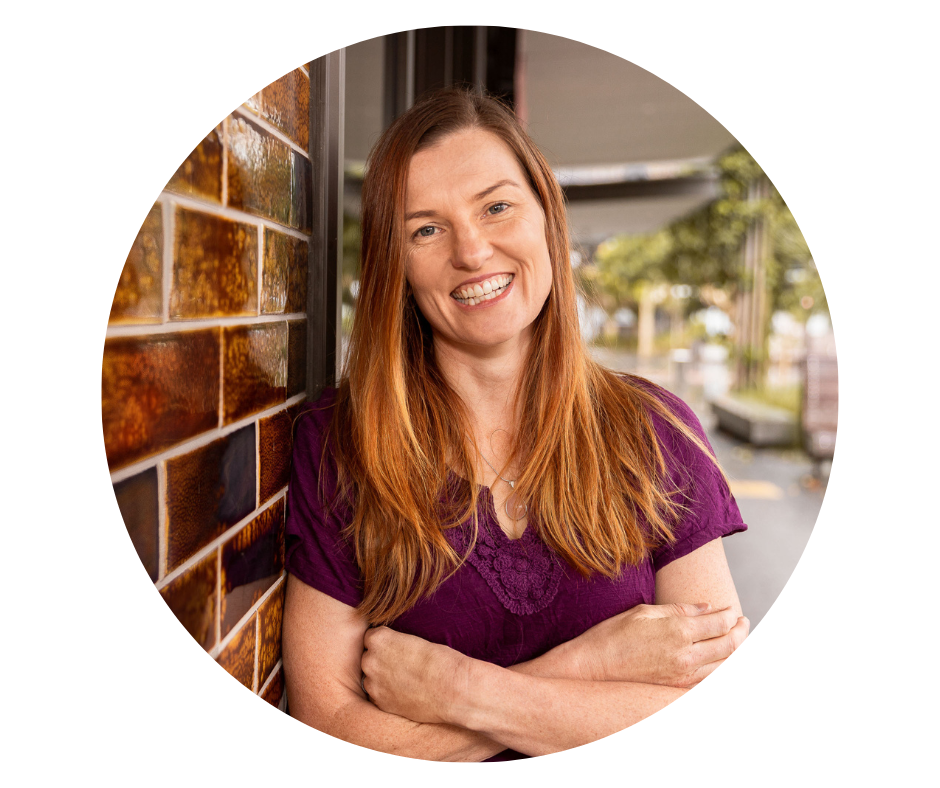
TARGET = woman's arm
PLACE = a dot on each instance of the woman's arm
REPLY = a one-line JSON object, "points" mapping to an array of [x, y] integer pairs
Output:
{"points": [[536, 714], [322, 650], [695, 625]]}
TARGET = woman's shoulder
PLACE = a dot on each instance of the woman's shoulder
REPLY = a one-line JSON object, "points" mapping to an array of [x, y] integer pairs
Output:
{"points": [[661, 404], [313, 421]]}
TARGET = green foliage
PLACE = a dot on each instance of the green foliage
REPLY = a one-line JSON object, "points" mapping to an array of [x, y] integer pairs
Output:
{"points": [[352, 241], [704, 249]]}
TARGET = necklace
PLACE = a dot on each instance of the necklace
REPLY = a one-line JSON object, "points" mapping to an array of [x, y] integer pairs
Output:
{"points": [[514, 509]]}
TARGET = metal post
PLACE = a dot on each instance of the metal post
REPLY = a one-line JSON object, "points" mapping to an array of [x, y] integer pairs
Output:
{"points": [[324, 303]]}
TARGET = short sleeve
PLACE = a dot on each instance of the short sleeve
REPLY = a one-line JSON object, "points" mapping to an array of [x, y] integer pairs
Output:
{"points": [[710, 509], [317, 552]]}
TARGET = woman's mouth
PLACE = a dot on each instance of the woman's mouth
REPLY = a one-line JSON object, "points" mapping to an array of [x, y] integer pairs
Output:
{"points": [[487, 290]]}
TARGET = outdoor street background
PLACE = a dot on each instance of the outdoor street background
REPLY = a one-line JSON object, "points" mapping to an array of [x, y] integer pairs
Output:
{"points": [[775, 490]]}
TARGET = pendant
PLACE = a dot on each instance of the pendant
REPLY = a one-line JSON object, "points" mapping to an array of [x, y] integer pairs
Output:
{"points": [[515, 509]]}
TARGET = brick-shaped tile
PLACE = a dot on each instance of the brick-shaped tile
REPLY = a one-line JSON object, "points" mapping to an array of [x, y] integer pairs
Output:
{"points": [[215, 267], [252, 561], [139, 294], [254, 369], [155, 392], [208, 490]]}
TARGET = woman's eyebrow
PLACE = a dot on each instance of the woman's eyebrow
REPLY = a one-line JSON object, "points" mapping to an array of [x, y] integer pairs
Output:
{"points": [[480, 196], [494, 187]]}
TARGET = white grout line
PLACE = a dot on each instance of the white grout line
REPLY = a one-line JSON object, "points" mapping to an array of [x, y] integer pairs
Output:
{"points": [[163, 528], [169, 231], [221, 378], [225, 161], [235, 215], [261, 232], [216, 543], [270, 678], [220, 646], [218, 595], [198, 441], [247, 114], [197, 324], [254, 679]]}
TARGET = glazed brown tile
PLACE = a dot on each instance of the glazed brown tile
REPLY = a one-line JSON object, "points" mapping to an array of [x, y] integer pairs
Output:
{"points": [[270, 615], [285, 104], [252, 561], [259, 172], [275, 689], [138, 502], [284, 276], [254, 368], [200, 176], [157, 391], [274, 451], [208, 490], [301, 206], [191, 597], [139, 294], [296, 357], [238, 656], [215, 267]]}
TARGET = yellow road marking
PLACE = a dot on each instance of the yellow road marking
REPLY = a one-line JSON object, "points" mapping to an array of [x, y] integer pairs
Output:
{"points": [[753, 488]]}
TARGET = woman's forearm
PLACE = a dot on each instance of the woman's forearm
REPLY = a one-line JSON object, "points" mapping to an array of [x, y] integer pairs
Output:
{"points": [[537, 715], [360, 722]]}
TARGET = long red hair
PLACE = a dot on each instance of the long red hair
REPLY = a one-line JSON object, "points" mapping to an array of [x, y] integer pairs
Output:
{"points": [[593, 470]]}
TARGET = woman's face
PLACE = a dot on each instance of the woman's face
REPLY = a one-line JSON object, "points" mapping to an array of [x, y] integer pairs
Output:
{"points": [[476, 255]]}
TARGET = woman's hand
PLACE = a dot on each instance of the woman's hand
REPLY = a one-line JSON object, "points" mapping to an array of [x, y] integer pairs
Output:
{"points": [[411, 677], [676, 645]]}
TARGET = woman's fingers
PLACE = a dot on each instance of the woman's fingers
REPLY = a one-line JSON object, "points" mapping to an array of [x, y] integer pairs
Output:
{"points": [[719, 648], [711, 625]]}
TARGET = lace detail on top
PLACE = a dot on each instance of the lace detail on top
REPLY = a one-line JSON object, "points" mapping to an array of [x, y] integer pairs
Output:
{"points": [[523, 573]]}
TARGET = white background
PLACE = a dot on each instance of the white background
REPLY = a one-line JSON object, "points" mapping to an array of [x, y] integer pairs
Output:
{"points": [[101, 104]]}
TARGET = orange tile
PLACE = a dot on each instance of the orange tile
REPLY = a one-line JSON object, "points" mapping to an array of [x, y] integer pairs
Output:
{"points": [[274, 450], [285, 104], [301, 207], [259, 171], [191, 597], [270, 615], [284, 276], [238, 656], [208, 490], [138, 502], [200, 176], [272, 693], [157, 391], [296, 357], [215, 267], [252, 561], [254, 368], [139, 294]]}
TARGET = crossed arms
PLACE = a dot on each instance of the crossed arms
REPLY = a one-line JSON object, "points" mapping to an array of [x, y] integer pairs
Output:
{"points": [[428, 701]]}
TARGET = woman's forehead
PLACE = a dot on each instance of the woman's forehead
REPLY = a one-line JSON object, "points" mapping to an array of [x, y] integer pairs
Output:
{"points": [[464, 162]]}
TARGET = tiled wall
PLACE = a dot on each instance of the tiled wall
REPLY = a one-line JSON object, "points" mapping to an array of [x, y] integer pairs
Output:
{"points": [[204, 369]]}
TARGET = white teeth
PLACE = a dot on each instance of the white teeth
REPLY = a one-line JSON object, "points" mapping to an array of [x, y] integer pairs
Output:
{"points": [[482, 291]]}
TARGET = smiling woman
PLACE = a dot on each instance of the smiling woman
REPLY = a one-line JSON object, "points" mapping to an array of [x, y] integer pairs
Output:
{"points": [[496, 547]]}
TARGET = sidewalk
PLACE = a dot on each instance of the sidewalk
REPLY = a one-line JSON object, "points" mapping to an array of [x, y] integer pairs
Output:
{"points": [[768, 484]]}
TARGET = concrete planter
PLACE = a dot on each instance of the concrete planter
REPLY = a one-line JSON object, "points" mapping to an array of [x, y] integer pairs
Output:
{"points": [[759, 425]]}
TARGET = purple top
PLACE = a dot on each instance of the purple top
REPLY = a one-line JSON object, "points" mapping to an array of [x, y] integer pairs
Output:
{"points": [[512, 600]]}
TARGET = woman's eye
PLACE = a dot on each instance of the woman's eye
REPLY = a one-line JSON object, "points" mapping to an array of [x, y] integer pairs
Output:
{"points": [[498, 208], [426, 232]]}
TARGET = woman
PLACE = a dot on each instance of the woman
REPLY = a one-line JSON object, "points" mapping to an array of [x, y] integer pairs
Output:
{"points": [[480, 519]]}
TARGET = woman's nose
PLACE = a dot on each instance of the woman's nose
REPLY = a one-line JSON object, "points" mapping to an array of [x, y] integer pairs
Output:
{"points": [[471, 248]]}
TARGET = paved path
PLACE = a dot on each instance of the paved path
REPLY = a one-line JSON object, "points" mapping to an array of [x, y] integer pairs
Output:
{"points": [[772, 487]]}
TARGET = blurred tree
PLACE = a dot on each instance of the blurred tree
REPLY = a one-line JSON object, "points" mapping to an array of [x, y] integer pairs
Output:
{"points": [[742, 252]]}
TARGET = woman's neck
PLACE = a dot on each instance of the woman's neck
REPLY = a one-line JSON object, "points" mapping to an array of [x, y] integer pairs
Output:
{"points": [[487, 380]]}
